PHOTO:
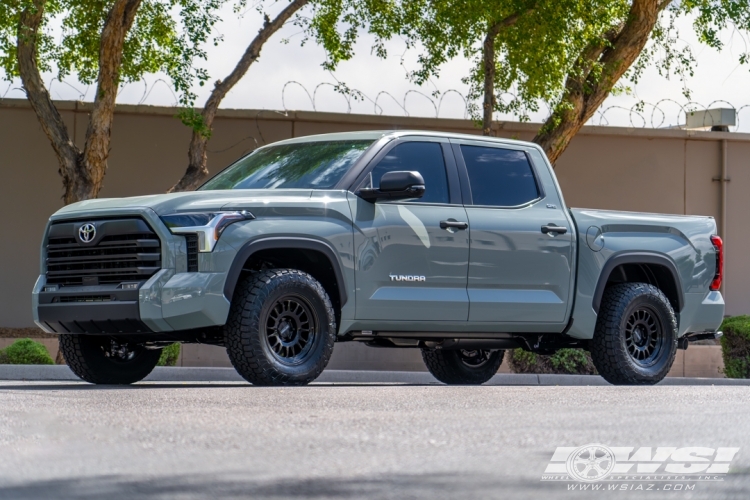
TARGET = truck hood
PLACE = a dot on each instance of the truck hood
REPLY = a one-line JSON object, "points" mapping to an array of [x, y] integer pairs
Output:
{"points": [[194, 201]]}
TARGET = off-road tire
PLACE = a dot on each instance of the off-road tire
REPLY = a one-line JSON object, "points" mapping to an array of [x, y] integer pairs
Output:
{"points": [[247, 334], [448, 367], [609, 347], [86, 357]]}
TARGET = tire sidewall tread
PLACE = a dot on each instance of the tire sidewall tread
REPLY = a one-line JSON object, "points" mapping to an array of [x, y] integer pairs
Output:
{"points": [[447, 367], [248, 351], [608, 351], [85, 358]]}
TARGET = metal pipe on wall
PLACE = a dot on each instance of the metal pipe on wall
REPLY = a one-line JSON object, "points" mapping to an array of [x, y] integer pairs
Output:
{"points": [[724, 181]]}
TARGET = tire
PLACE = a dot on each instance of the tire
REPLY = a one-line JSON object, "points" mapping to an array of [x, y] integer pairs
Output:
{"points": [[100, 359], [281, 328], [635, 340], [462, 367]]}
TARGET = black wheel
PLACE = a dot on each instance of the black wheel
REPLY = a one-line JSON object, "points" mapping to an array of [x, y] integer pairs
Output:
{"points": [[635, 340], [281, 328], [467, 367], [103, 360]]}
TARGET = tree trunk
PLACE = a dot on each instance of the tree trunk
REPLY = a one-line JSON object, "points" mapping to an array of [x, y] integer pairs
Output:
{"points": [[584, 91], [99, 133], [197, 168], [488, 63], [488, 56], [82, 171], [68, 154]]}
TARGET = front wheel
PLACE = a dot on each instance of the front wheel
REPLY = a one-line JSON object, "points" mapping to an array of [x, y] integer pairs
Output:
{"points": [[103, 360], [462, 366], [281, 328], [635, 340]]}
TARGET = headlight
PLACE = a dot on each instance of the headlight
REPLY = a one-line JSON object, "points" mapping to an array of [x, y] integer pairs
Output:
{"points": [[207, 225]]}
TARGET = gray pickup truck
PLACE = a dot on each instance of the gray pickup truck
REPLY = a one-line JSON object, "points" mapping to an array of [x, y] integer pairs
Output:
{"points": [[458, 245]]}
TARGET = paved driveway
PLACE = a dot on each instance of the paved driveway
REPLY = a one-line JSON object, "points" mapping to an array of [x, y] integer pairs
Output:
{"points": [[227, 440]]}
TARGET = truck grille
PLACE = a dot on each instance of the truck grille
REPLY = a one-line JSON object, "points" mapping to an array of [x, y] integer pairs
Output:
{"points": [[192, 252], [121, 250]]}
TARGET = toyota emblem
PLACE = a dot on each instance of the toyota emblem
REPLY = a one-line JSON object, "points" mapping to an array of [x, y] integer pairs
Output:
{"points": [[87, 233]]}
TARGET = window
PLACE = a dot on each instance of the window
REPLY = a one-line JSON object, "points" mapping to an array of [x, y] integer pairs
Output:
{"points": [[423, 157], [499, 177], [305, 165]]}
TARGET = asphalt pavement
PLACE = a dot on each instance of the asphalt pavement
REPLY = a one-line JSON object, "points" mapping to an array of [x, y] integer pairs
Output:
{"points": [[185, 440]]}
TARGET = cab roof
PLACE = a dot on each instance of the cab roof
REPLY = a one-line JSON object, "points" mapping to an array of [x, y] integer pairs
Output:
{"points": [[374, 135]]}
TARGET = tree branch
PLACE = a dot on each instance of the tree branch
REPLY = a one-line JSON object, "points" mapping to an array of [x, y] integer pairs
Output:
{"points": [[197, 169], [99, 132], [488, 63], [49, 117], [585, 91]]}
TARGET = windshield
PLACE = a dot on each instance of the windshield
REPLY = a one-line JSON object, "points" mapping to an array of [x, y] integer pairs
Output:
{"points": [[304, 165]]}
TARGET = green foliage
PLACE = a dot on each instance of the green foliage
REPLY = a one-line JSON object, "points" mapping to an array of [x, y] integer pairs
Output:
{"points": [[564, 361], [167, 35], [536, 55], [191, 118], [735, 346], [169, 355], [25, 352]]}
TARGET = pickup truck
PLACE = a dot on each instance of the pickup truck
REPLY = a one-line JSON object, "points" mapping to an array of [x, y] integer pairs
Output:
{"points": [[458, 245]]}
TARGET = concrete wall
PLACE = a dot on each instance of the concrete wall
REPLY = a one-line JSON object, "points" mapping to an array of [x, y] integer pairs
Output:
{"points": [[669, 171]]}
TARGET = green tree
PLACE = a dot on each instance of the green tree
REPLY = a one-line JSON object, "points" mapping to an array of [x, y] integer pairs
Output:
{"points": [[334, 24], [202, 122], [569, 54], [107, 42]]}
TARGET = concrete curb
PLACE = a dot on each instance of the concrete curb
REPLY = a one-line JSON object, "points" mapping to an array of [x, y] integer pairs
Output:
{"points": [[198, 374]]}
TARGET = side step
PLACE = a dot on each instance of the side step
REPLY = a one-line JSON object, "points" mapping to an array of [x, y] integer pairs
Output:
{"points": [[684, 341]]}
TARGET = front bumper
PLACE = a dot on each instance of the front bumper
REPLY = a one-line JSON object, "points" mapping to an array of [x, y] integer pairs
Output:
{"points": [[171, 300]]}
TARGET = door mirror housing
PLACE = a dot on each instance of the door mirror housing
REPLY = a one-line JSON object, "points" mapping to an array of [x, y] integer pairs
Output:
{"points": [[398, 185]]}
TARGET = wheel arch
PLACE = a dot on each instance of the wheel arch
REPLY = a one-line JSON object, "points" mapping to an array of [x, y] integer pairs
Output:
{"points": [[653, 268], [336, 287]]}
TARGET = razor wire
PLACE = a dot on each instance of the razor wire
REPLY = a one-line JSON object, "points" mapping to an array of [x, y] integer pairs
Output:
{"points": [[664, 113]]}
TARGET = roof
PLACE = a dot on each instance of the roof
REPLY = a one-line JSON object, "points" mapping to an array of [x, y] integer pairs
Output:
{"points": [[374, 135]]}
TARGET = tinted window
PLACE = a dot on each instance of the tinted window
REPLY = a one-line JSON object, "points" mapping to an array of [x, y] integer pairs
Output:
{"points": [[423, 157], [499, 177], [305, 165]]}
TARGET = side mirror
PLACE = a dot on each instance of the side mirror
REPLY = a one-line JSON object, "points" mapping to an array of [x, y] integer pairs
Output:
{"points": [[398, 185]]}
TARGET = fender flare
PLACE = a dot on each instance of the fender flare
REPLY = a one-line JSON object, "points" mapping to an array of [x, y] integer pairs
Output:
{"points": [[621, 258], [248, 249]]}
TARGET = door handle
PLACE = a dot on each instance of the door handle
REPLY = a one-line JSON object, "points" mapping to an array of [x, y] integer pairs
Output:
{"points": [[553, 228], [445, 224]]}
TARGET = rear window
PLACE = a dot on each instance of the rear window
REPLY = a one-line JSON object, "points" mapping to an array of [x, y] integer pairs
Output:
{"points": [[305, 165], [499, 177]]}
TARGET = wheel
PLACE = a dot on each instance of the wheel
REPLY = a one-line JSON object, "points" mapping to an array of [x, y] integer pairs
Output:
{"points": [[281, 328], [635, 340], [468, 367], [101, 359]]}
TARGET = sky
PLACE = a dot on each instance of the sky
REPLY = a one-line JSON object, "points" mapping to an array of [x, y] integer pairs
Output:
{"points": [[290, 77]]}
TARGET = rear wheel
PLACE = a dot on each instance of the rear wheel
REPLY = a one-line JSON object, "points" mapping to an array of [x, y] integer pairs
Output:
{"points": [[462, 366], [103, 360], [635, 340], [281, 328]]}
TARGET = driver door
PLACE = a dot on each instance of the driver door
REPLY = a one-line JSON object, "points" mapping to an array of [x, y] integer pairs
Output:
{"points": [[408, 267]]}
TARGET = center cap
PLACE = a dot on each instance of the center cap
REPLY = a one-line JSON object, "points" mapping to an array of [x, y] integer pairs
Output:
{"points": [[285, 330], [638, 335]]}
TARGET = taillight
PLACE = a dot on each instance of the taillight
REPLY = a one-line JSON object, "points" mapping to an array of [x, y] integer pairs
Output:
{"points": [[719, 246]]}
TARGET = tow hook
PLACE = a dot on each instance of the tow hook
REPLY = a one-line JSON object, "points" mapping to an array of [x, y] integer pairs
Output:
{"points": [[684, 341]]}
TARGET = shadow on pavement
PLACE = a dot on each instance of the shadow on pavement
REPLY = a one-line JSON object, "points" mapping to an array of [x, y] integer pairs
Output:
{"points": [[394, 486]]}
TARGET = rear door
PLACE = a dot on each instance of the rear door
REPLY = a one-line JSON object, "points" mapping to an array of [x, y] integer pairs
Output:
{"points": [[408, 267], [521, 241]]}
